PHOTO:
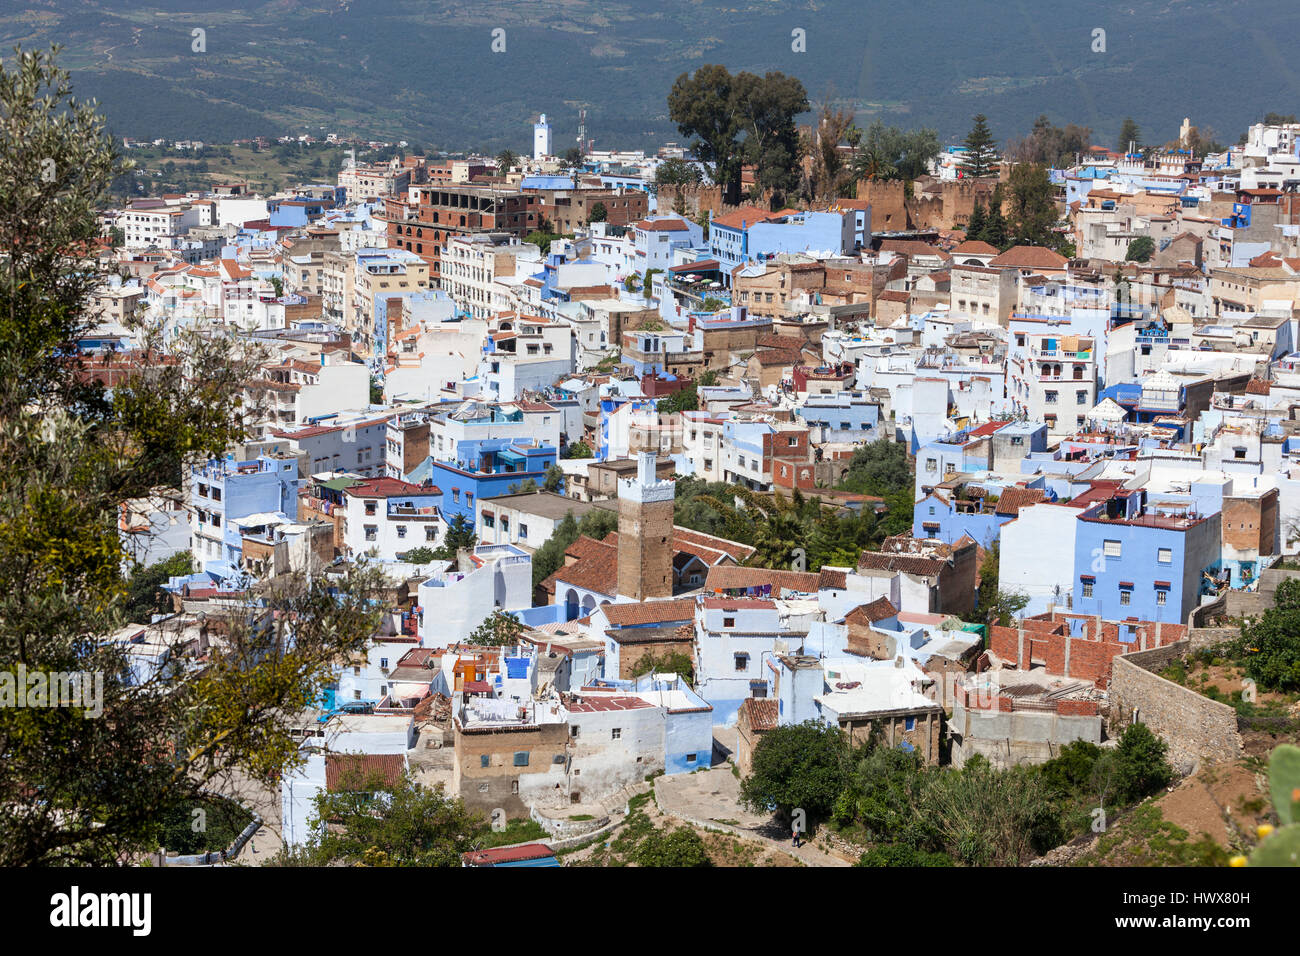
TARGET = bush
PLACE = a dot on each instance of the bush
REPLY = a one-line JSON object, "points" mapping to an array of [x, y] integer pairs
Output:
{"points": [[896, 854], [1140, 765], [680, 847]]}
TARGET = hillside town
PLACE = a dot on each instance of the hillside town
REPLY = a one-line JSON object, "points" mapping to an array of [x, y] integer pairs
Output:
{"points": [[975, 466]]}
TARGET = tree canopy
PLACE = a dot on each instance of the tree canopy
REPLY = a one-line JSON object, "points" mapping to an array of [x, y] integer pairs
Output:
{"points": [[740, 119]]}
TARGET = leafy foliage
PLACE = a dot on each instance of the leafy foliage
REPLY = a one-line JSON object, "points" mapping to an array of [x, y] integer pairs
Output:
{"points": [[802, 766], [1270, 645], [144, 594], [369, 822], [497, 629], [92, 791], [1140, 249], [734, 120], [577, 449]]}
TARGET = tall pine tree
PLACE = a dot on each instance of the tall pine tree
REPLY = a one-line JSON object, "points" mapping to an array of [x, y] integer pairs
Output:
{"points": [[977, 223], [995, 226], [1129, 135], [981, 150]]}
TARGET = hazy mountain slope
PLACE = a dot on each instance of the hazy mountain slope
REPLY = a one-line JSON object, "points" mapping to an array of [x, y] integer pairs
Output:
{"points": [[424, 69]]}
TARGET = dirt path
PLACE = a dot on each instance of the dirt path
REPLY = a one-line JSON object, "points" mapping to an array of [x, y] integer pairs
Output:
{"points": [[710, 799]]}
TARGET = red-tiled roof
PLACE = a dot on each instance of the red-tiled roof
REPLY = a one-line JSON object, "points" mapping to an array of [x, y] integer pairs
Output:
{"points": [[650, 612], [1013, 499], [339, 767], [878, 610], [761, 713], [1030, 257]]}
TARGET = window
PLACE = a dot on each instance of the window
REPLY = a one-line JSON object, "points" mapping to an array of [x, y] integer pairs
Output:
{"points": [[370, 508], [489, 521], [573, 731], [1165, 556], [484, 760], [728, 622], [383, 663], [615, 733], [455, 495], [521, 758], [1081, 397], [742, 662], [514, 786], [1162, 596], [1125, 597], [523, 531], [1087, 589], [216, 493], [690, 758], [372, 532], [401, 531], [1050, 398], [482, 788], [430, 533], [909, 723], [1111, 549]]}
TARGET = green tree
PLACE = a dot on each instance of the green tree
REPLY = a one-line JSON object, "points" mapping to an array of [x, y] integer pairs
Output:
{"points": [[1130, 135], [506, 161], [498, 628], [577, 449], [981, 156], [797, 766], [733, 120], [374, 823], [554, 479], [1270, 645], [996, 227], [1140, 765], [975, 225], [1140, 249], [421, 555], [95, 791], [599, 213], [1033, 217], [669, 663], [889, 152], [878, 468], [144, 594], [460, 536]]}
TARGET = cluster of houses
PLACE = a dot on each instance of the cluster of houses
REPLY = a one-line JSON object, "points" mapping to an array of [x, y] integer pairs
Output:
{"points": [[1116, 440]]}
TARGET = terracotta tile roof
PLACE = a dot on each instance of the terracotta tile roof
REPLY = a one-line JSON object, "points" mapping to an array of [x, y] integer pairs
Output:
{"points": [[913, 247], [974, 247], [707, 547], [650, 612], [507, 854], [748, 215], [1257, 386], [1013, 499], [761, 713], [788, 342], [386, 487], [830, 578], [1030, 257], [770, 357], [339, 766], [727, 577], [907, 563], [878, 610]]}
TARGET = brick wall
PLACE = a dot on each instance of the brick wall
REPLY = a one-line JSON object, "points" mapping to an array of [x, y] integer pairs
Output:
{"points": [[1087, 656]]}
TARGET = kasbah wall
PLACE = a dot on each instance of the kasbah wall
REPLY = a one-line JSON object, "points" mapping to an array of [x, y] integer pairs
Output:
{"points": [[1198, 730], [891, 211]]}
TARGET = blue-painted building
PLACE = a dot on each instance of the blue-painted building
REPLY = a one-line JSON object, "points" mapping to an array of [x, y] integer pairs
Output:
{"points": [[487, 468], [1132, 561], [751, 234], [225, 491]]}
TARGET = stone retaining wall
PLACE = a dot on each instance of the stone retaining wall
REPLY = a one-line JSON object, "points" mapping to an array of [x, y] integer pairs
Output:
{"points": [[1196, 728]]}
